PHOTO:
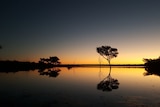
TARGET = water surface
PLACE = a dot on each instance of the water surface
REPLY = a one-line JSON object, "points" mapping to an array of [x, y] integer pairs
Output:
{"points": [[78, 87]]}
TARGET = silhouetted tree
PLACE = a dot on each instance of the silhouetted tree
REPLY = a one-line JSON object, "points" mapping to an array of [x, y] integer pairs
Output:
{"points": [[44, 60], [152, 66], [107, 52], [52, 60], [0, 47], [153, 63]]}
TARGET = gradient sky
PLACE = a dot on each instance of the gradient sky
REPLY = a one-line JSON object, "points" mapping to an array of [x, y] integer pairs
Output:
{"points": [[72, 29]]}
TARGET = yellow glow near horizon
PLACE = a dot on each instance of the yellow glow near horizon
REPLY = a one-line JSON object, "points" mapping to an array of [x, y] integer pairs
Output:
{"points": [[104, 61], [95, 58], [118, 60]]}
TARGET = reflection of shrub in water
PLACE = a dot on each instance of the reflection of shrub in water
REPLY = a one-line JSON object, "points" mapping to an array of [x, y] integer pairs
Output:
{"points": [[54, 72], [150, 71]]}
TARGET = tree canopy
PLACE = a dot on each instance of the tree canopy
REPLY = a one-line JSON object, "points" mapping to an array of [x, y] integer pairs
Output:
{"points": [[53, 60], [107, 52]]}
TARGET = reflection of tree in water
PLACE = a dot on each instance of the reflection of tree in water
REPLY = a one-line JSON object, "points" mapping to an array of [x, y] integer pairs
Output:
{"points": [[150, 71], [52, 72], [108, 83]]}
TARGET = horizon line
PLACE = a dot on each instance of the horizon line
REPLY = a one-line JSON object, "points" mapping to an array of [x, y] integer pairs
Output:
{"points": [[100, 65]]}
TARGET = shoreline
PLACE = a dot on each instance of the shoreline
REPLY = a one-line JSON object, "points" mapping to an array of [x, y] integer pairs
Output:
{"points": [[26, 66], [101, 65]]}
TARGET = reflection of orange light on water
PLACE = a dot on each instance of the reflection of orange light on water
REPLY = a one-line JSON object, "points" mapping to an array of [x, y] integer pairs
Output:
{"points": [[131, 77], [127, 76]]}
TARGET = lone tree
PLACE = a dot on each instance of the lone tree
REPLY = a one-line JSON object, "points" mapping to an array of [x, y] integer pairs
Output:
{"points": [[107, 52]]}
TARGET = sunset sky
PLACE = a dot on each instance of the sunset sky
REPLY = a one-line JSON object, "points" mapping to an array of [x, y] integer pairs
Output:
{"points": [[72, 29]]}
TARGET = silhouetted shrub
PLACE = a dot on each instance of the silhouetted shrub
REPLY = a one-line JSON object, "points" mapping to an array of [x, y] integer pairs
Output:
{"points": [[152, 66]]}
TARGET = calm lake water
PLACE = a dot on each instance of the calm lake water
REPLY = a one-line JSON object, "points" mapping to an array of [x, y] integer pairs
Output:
{"points": [[77, 87]]}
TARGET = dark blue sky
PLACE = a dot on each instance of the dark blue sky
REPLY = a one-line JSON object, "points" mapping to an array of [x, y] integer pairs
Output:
{"points": [[72, 29]]}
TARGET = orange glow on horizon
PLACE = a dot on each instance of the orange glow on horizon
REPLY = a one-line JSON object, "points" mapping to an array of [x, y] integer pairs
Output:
{"points": [[96, 61], [92, 60], [90, 57]]}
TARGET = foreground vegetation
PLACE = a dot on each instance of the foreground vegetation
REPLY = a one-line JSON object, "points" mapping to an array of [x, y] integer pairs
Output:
{"points": [[152, 66], [152, 63], [13, 66]]}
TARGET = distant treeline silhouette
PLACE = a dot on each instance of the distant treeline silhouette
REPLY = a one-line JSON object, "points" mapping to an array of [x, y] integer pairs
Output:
{"points": [[14, 66]]}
